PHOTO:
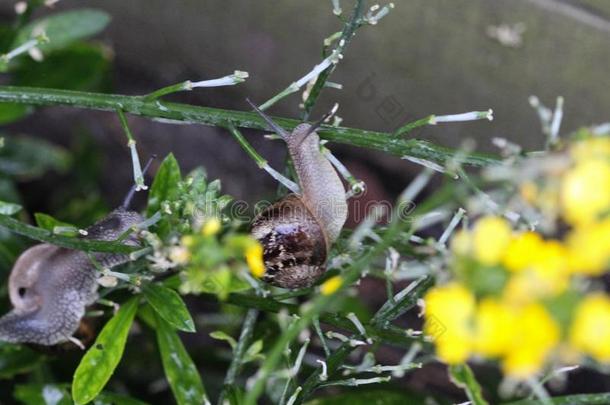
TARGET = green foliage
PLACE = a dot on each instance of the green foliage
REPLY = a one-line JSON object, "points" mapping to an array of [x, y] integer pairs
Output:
{"points": [[17, 360], [169, 306], [80, 66], [462, 376], [27, 158], [366, 397], [98, 364], [180, 370], [62, 29], [165, 186], [7, 208]]}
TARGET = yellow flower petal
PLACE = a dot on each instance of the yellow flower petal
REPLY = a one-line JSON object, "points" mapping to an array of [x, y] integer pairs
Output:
{"points": [[491, 236], [254, 258], [535, 335], [331, 285], [448, 314], [522, 251], [585, 192], [211, 227], [590, 330]]}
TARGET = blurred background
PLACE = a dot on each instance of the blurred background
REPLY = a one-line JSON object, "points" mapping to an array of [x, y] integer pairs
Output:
{"points": [[426, 57]]}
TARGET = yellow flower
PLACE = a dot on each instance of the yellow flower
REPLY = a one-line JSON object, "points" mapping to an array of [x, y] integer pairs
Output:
{"points": [[591, 148], [535, 334], [331, 285], [585, 191], [545, 273], [589, 248], [590, 330], [491, 235], [187, 241], [254, 258], [494, 328], [522, 251], [211, 227], [461, 243], [449, 311]]}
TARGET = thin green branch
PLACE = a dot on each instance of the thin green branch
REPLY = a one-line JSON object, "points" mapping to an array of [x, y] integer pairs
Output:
{"points": [[346, 35], [390, 334], [238, 354], [44, 235], [157, 109]]}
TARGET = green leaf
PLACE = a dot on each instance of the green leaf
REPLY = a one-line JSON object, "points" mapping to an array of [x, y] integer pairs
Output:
{"points": [[7, 208], [169, 306], [10, 112], [110, 398], [165, 184], [254, 352], [43, 235], [17, 359], [98, 364], [43, 394], [180, 370], [47, 222], [367, 397], [57, 394], [29, 158], [461, 375], [78, 67], [64, 28], [220, 335], [580, 399]]}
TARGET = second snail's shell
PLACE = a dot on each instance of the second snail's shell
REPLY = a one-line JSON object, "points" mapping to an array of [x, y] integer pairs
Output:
{"points": [[294, 244]]}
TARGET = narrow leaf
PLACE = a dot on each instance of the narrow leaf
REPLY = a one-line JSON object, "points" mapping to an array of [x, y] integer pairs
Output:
{"points": [[64, 28], [7, 208], [51, 224], [169, 306], [180, 370], [461, 375], [43, 394], [220, 335], [579, 399], [98, 364], [165, 184]]}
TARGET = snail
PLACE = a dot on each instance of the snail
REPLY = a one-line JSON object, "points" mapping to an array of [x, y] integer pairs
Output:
{"points": [[50, 286], [298, 231]]}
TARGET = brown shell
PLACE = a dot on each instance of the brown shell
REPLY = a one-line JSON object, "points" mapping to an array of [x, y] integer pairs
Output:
{"points": [[294, 244]]}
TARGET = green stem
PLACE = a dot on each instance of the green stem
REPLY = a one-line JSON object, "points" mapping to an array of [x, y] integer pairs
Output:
{"points": [[388, 334], [43, 235], [346, 35], [238, 354], [219, 117], [412, 125], [174, 88]]}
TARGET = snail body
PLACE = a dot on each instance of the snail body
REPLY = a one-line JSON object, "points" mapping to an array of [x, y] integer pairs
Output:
{"points": [[297, 232], [50, 286]]}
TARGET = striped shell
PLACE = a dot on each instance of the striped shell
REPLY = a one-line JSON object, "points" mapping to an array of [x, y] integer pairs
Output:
{"points": [[295, 245]]}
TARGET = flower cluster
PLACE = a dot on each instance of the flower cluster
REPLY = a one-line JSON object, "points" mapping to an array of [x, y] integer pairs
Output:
{"points": [[531, 297]]}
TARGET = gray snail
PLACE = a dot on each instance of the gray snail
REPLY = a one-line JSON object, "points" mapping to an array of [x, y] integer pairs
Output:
{"points": [[50, 286], [298, 231]]}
